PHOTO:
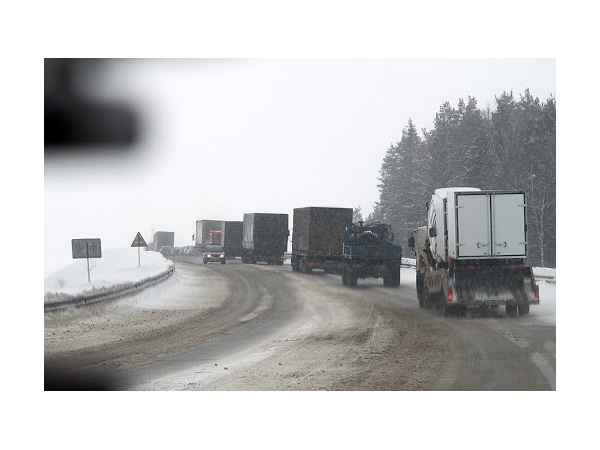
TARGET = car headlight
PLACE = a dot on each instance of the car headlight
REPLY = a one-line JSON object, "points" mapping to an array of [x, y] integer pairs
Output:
{"points": [[221, 256], [209, 256]]}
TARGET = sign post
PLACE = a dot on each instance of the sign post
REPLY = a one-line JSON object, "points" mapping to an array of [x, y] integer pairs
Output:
{"points": [[86, 248], [138, 242]]}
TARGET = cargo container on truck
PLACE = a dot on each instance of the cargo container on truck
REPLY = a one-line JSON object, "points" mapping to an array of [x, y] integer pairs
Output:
{"points": [[163, 239], [233, 232], [472, 252], [208, 232], [318, 238], [265, 238]]}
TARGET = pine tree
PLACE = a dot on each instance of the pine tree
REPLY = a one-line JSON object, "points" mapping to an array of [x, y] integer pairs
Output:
{"points": [[357, 214], [512, 147]]}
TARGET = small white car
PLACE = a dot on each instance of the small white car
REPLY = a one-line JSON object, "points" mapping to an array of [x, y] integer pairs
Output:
{"points": [[166, 250]]}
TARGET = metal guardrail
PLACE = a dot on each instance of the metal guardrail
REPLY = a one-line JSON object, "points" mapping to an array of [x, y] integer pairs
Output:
{"points": [[136, 287], [109, 294]]}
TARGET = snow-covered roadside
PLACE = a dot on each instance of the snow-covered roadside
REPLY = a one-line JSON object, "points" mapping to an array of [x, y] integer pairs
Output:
{"points": [[117, 269]]}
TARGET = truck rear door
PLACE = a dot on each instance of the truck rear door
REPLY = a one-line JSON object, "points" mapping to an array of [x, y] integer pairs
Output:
{"points": [[473, 225], [491, 225], [508, 219]]}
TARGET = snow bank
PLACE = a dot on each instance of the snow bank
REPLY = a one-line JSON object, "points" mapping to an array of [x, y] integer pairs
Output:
{"points": [[118, 268]]}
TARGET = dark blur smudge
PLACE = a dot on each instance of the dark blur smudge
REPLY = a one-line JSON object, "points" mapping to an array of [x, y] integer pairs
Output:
{"points": [[74, 122]]}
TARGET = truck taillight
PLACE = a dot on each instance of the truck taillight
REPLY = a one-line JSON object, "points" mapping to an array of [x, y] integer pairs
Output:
{"points": [[450, 294], [537, 291]]}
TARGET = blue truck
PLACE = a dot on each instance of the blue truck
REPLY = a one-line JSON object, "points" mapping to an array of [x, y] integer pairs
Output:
{"points": [[369, 252]]}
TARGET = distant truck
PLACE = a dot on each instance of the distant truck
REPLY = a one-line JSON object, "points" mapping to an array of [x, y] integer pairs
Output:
{"points": [[265, 238], [233, 233], [318, 238], [369, 252], [163, 239], [472, 252], [208, 232]]}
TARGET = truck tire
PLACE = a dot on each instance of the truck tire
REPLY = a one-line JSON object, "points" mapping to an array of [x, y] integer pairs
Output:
{"points": [[344, 277], [352, 279], [424, 293], [460, 311], [393, 277], [511, 310], [420, 292], [303, 265], [523, 309]]}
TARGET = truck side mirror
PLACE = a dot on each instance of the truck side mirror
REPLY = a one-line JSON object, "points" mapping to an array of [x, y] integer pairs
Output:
{"points": [[432, 232], [411, 242]]}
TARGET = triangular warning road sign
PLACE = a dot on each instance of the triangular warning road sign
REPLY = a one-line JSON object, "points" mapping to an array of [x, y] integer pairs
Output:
{"points": [[139, 241]]}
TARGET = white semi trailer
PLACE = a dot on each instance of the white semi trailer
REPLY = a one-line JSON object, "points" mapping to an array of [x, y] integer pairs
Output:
{"points": [[472, 252]]}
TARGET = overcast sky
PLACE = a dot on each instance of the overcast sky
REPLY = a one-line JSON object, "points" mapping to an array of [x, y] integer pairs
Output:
{"points": [[226, 137]]}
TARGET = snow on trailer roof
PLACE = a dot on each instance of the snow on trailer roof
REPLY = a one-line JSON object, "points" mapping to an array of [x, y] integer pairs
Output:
{"points": [[443, 192]]}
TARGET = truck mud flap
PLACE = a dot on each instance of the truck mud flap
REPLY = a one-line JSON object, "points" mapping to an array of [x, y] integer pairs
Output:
{"points": [[508, 288]]}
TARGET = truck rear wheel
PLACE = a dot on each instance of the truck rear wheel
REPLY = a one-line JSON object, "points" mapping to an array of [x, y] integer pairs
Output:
{"points": [[511, 310], [348, 277], [352, 279], [393, 278], [524, 309], [303, 265], [420, 289]]}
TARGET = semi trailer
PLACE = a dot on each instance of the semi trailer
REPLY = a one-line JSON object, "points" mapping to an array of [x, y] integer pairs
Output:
{"points": [[208, 232], [233, 232], [318, 238], [265, 237], [163, 239]]}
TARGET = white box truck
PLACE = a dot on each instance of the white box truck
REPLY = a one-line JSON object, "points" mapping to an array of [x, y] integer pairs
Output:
{"points": [[472, 252]]}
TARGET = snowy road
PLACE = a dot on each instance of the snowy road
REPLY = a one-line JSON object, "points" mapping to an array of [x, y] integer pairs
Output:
{"points": [[257, 327]]}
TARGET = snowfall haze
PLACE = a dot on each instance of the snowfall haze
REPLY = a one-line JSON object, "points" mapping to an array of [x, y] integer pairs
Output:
{"points": [[225, 137]]}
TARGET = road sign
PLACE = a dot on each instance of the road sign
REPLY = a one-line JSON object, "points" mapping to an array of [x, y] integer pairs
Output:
{"points": [[139, 241], [86, 248]]}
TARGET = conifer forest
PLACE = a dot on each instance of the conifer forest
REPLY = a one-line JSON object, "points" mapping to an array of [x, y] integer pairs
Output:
{"points": [[512, 147]]}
